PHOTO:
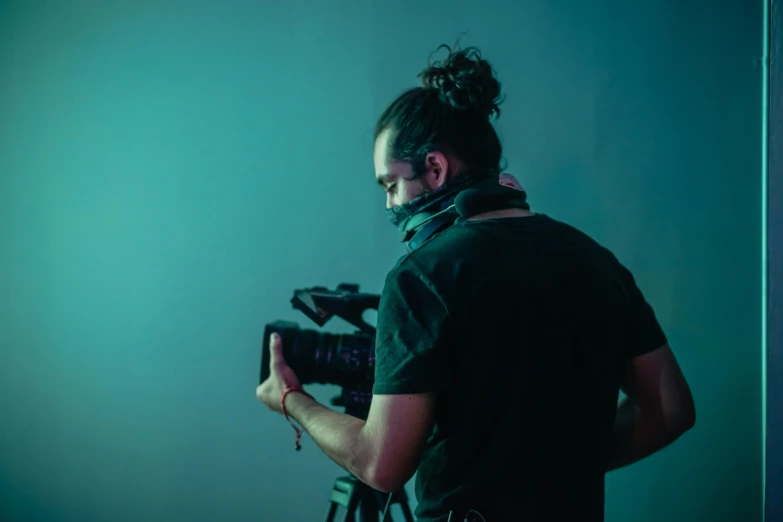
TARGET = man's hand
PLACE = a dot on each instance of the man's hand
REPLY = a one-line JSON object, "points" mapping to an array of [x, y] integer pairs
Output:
{"points": [[382, 452], [281, 376]]}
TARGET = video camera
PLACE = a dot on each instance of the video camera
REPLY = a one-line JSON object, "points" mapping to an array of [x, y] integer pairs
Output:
{"points": [[346, 360]]}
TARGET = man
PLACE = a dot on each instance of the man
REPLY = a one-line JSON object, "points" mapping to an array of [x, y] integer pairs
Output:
{"points": [[502, 341]]}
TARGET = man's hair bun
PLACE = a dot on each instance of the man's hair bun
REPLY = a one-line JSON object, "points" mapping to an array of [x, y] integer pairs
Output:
{"points": [[465, 81]]}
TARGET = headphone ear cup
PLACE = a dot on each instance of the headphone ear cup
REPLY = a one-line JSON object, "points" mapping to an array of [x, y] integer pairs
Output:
{"points": [[472, 202], [436, 224], [465, 202], [414, 222]]}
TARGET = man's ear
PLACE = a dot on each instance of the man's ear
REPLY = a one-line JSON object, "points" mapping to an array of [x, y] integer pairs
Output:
{"points": [[437, 173]]}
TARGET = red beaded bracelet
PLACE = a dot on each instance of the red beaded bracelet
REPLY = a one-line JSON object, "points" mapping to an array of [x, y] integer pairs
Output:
{"points": [[283, 395]]}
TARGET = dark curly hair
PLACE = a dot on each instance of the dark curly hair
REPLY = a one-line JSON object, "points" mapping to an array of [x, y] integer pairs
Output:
{"points": [[450, 113]]}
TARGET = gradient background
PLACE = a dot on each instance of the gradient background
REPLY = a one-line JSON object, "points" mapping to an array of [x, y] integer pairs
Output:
{"points": [[171, 171]]}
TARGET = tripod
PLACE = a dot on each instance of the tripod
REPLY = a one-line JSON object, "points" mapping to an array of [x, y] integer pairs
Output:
{"points": [[357, 497]]}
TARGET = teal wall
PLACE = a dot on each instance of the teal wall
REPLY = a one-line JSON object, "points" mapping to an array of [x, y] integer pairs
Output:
{"points": [[171, 171]]}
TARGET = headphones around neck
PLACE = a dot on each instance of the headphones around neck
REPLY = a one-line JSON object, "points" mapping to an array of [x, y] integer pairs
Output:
{"points": [[495, 193]]}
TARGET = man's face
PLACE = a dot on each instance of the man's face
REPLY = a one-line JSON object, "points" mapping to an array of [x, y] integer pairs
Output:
{"points": [[396, 177]]}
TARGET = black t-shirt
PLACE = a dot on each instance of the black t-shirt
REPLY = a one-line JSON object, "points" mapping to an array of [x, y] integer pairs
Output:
{"points": [[522, 326]]}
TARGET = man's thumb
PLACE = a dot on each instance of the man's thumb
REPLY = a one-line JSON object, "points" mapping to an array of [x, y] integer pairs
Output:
{"points": [[275, 348]]}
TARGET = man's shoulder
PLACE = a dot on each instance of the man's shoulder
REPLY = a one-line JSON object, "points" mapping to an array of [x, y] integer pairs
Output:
{"points": [[475, 239], [409, 267], [472, 248]]}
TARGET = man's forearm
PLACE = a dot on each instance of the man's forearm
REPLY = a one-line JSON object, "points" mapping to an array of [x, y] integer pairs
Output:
{"points": [[339, 435], [636, 435]]}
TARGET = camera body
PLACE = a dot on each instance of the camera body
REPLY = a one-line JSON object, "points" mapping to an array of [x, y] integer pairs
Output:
{"points": [[345, 360]]}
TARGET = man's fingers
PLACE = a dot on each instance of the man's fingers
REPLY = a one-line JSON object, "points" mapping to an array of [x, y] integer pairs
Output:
{"points": [[275, 349]]}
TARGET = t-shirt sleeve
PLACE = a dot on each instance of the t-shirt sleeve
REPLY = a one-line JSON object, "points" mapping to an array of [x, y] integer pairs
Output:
{"points": [[645, 332], [412, 338]]}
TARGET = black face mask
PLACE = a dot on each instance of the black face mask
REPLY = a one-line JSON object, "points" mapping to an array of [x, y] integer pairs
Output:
{"points": [[433, 202]]}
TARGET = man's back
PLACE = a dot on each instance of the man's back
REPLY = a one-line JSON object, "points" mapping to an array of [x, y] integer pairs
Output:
{"points": [[536, 322]]}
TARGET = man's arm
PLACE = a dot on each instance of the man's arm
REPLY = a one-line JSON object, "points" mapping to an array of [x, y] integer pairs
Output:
{"points": [[411, 366], [383, 452], [657, 410], [340, 436]]}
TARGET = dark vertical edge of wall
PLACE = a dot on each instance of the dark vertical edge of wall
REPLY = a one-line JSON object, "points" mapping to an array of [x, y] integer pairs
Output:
{"points": [[774, 427]]}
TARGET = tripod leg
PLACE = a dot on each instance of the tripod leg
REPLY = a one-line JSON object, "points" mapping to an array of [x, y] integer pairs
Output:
{"points": [[368, 509], [406, 511], [331, 512]]}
